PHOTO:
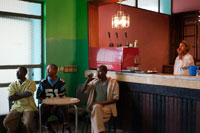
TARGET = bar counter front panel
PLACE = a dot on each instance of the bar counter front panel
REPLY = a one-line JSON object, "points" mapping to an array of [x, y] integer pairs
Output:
{"points": [[157, 103]]}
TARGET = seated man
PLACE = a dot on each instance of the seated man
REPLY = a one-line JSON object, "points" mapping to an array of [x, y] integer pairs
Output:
{"points": [[21, 92], [104, 92], [52, 86]]}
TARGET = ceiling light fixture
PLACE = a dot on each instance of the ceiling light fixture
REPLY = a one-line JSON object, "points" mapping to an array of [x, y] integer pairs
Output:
{"points": [[120, 20]]}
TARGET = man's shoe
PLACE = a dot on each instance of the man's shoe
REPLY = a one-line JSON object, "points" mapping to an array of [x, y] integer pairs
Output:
{"points": [[49, 129], [68, 130]]}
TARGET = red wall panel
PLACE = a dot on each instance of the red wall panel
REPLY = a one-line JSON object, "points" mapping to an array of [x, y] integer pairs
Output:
{"points": [[149, 28]]}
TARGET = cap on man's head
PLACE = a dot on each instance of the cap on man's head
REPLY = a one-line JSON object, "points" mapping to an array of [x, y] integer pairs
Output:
{"points": [[186, 44]]}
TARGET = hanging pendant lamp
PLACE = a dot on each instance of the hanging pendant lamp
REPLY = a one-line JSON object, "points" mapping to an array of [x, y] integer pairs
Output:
{"points": [[120, 20]]}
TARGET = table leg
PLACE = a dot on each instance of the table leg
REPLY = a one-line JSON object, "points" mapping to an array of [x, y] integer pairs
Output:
{"points": [[76, 118], [40, 121]]}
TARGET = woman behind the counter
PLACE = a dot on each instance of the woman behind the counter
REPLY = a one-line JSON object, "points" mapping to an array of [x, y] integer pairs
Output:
{"points": [[183, 60]]}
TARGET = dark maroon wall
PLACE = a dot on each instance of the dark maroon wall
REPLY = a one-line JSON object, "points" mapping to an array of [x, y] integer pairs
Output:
{"points": [[185, 5], [149, 28]]}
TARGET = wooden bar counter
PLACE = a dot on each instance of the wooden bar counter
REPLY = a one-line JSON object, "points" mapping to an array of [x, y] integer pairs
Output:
{"points": [[157, 103]]}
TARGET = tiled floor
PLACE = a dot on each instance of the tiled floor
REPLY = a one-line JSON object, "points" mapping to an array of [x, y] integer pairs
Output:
{"points": [[54, 125]]}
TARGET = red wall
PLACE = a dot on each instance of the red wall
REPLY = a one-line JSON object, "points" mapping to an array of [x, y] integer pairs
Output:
{"points": [[149, 28], [185, 5]]}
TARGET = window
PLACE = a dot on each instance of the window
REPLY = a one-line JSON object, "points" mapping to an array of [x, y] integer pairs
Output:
{"points": [[20, 43], [151, 5], [128, 3], [165, 6], [161, 6]]}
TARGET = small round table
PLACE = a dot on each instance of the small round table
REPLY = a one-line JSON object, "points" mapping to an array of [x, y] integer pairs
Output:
{"points": [[62, 102]]}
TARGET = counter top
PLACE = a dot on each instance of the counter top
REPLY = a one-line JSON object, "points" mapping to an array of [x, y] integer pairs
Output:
{"points": [[192, 82]]}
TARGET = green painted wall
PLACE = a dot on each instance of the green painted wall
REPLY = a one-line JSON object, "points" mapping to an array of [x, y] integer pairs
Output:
{"points": [[66, 38]]}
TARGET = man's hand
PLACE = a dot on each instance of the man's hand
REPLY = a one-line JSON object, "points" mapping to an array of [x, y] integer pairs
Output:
{"points": [[106, 102], [19, 95], [90, 76], [100, 103], [16, 94], [180, 53]]}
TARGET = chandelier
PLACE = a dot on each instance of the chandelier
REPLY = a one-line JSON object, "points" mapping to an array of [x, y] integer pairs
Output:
{"points": [[120, 20]]}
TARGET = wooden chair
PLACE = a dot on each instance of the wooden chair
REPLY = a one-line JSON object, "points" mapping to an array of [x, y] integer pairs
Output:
{"points": [[111, 123]]}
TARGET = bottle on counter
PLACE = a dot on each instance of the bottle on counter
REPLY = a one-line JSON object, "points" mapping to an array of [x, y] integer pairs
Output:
{"points": [[135, 44]]}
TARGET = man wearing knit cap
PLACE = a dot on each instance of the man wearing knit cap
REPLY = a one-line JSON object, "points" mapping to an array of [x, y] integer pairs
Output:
{"points": [[183, 60]]}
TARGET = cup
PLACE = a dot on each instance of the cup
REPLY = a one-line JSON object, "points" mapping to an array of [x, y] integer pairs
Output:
{"points": [[193, 70], [92, 75], [131, 45]]}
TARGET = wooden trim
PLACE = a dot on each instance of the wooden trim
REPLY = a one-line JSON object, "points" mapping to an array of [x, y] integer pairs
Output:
{"points": [[136, 3], [42, 40], [197, 40], [19, 15], [16, 66], [172, 7], [4, 84]]}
